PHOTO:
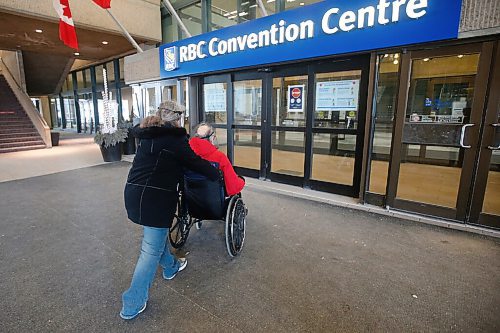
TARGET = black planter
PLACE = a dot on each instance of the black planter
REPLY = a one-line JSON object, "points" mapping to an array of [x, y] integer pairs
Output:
{"points": [[54, 137], [129, 144], [112, 153]]}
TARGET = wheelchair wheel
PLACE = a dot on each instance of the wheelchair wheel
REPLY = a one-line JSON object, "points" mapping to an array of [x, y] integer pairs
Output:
{"points": [[235, 226], [179, 231]]}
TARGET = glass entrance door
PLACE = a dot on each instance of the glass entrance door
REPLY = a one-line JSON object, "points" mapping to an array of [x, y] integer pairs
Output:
{"points": [[301, 125], [247, 123], [439, 131], [286, 145]]}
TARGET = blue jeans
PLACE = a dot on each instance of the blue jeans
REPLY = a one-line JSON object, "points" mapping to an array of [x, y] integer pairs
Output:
{"points": [[154, 250]]}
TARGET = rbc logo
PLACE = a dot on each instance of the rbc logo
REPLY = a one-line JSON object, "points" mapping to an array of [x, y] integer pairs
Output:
{"points": [[170, 58]]}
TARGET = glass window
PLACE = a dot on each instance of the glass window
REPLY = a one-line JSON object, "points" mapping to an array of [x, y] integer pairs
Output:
{"points": [[99, 75], [128, 110], [215, 103], [288, 151], [86, 112], [151, 106], [247, 148], [289, 101], [333, 158], [68, 83], [87, 78], [247, 102], [222, 139], [441, 89], [110, 69], [80, 80], [224, 14], [191, 17], [121, 63], [337, 99], [290, 4], [70, 111], [269, 5], [55, 108], [386, 97]]}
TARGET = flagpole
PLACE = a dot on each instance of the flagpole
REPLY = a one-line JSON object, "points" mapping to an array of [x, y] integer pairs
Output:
{"points": [[125, 32], [172, 11], [262, 8]]}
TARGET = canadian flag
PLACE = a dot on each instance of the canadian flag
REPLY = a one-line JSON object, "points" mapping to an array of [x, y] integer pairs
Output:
{"points": [[67, 32], [103, 3]]}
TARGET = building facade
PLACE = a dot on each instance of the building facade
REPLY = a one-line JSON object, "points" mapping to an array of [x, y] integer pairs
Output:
{"points": [[404, 118]]}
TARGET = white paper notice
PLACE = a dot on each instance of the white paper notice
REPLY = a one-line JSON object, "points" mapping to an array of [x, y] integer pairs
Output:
{"points": [[337, 95], [214, 96]]}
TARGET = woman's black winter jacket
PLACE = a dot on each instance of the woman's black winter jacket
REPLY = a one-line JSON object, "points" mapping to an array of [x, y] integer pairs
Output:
{"points": [[151, 190]]}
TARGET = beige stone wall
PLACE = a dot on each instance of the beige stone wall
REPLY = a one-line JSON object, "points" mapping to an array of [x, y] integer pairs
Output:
{"points": [[480, 17], [140, 17], [142, 67]]}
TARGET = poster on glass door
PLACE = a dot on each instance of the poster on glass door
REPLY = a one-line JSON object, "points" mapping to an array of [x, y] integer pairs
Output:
{"points": [[214, 96], [337, 95], [296, 98]]}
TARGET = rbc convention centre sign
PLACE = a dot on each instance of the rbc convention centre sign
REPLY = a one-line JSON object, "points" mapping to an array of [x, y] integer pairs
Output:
{"points": [[322, 29]]}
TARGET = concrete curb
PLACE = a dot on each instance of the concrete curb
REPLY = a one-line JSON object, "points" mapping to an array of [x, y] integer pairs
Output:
{"points": [[347, 202]]}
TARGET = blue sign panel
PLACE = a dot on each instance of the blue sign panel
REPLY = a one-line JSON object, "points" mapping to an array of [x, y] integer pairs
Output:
{"points": [[321, 29], [295, 98]]}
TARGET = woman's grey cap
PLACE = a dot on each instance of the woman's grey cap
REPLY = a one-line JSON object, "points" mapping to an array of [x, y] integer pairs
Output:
{"points": [[172, 106]]}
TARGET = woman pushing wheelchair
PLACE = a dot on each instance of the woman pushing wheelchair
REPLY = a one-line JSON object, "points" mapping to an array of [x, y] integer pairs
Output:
{"points": [[151, 196]]}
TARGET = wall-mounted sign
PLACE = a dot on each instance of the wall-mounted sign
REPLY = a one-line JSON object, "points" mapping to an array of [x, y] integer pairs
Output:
{"points": [[321, 29], [339, 95], [295, 100]]}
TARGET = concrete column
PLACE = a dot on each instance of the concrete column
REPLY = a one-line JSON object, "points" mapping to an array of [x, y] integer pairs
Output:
{"points": [[45, 101]]}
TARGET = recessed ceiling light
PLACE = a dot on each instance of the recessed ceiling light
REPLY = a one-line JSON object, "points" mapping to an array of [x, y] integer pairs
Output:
{"points": [[105, 42], [39, 31], [426, 59], [302, 4], [77, 53], [395, 62], [396, 55], [460, 56]]}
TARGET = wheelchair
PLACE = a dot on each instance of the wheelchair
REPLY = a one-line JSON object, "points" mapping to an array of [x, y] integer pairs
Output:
{"points": [[202, 199]]}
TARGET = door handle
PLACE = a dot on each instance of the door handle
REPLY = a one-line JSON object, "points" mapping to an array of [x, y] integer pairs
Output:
{"points": [[493, 147], [462, 135]]}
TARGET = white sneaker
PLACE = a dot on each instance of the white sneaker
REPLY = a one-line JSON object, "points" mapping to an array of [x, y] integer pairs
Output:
{"points": [[183, 263]]}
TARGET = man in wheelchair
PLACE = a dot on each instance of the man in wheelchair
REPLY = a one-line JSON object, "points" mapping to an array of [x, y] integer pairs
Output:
{"points": [[205, 199], [204, 144]]}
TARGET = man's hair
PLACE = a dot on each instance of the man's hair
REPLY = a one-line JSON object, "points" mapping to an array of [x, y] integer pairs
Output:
{"points": [[203, 131]]}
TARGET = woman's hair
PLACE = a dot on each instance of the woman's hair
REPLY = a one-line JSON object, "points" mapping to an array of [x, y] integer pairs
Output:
{"points": [[151, 121], [171, 112]]}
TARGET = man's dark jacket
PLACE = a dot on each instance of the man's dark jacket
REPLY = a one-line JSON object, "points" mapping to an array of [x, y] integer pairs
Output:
{"points": [[151, 190]]}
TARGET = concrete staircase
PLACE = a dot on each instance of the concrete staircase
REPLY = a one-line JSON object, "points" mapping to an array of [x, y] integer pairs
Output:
{"points": [[17, 132]]}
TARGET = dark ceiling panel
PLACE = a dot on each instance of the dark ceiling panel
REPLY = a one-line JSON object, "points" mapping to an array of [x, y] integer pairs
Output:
{"points": [[43, 72], [18, 33]]}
